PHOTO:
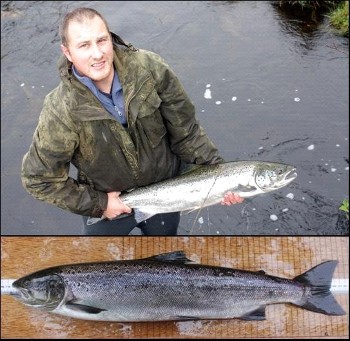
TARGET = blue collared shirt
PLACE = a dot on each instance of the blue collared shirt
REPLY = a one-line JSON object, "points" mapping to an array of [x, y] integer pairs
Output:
{"points": [[113, 102]]}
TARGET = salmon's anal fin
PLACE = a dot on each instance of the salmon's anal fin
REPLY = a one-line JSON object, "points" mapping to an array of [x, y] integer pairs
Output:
{"points": [[256, 315]]}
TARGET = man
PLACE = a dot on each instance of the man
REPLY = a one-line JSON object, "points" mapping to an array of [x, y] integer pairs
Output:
{"points": [[122, 118]]}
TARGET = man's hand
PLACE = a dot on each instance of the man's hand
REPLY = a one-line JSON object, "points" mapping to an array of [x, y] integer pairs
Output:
{"points": [[115, 206], [231, 198]]}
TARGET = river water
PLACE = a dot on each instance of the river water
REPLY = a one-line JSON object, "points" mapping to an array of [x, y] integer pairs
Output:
{"points": [[278, 89]]}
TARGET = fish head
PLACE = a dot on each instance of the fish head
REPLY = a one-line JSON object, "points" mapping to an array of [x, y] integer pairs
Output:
{"points": [[40, 290], [270, 176]]}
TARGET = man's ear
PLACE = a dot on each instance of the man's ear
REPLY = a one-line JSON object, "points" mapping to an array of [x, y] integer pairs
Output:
{"points": [[65, 51]]}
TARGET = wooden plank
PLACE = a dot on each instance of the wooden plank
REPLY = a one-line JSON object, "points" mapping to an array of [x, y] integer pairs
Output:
{"points": [[280, 256]]}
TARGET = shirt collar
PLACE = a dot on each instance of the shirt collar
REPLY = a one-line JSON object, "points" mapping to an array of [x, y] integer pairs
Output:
{"points": [[116, 86]]}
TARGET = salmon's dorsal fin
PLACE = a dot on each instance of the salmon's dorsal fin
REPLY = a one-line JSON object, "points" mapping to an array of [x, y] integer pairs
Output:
{"points": [[170, 257]]}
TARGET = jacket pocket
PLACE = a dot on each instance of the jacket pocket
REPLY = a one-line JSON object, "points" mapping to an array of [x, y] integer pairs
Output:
{"points": [[150, 119]]}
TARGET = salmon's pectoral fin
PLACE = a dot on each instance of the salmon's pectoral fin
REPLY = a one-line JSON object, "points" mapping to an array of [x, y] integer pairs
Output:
{"points": [[83, 307], [258, 314]]}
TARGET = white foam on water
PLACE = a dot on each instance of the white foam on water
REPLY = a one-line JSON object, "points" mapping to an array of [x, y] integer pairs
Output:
{"points": [[207, 94], [273, 217], [290, 196]]}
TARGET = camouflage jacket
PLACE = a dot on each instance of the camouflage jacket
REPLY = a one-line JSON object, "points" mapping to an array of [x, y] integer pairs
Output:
{"points": [[74, 128]]}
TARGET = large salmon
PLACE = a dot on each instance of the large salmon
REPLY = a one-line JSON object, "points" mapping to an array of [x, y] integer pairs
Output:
{"points": [[169, 287], [205, 186]]}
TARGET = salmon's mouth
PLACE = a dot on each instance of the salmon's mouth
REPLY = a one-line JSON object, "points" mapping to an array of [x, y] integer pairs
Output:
{"points": [[24, 296], [287, 178], [291, 175]]}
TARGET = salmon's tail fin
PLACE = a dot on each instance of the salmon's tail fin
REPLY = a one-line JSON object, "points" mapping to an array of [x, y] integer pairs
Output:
{"points": [[321, 299]]}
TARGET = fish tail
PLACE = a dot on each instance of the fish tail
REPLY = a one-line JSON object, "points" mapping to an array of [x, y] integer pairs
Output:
{"points": [[321, 299]]}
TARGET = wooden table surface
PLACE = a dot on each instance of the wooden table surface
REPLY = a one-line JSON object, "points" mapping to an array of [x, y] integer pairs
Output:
{"points": [[279, 256]]}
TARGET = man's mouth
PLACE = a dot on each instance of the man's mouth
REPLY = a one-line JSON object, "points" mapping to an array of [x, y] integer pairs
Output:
{"points": [[99, 65]]}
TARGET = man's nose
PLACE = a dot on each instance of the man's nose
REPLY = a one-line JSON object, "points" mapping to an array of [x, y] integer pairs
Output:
{"points": [[96, 51]]}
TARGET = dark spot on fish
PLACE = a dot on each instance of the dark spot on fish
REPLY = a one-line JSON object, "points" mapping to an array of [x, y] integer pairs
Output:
{"points": [[223, 274], [211, 289]]}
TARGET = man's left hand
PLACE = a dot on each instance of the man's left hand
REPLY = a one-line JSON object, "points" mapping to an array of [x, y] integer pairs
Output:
{"points": [[231, 198]]}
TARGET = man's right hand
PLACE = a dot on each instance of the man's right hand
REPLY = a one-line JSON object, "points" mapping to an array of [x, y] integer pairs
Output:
{"points": [[115, 206]]}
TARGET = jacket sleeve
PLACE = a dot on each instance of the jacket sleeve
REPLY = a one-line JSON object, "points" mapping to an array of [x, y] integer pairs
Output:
{"points": [[187, 137], [45, 167]]}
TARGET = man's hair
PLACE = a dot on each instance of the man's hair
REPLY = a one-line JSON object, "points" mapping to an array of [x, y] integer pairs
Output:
{"points": [[80, 15]]}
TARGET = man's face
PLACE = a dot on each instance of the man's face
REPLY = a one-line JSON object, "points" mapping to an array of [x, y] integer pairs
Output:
{"points": [[90, 49]]}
